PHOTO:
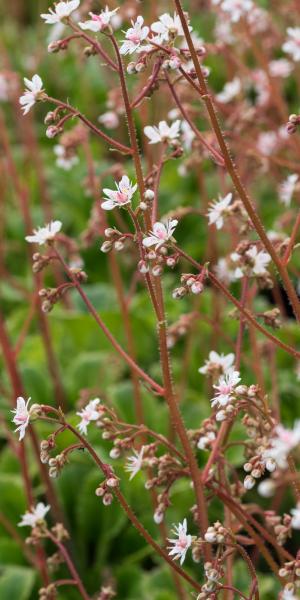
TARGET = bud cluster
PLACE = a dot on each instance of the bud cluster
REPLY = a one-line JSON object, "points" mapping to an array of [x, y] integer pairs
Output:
{"points": [[48, 593], [212, 574], [179, 329], [281, 526], [104, 489], [215, 534], [292, 124], [291, 571], [40, 262], [190, 284], [50, 297], [257, 465], [114, 240], [205, 436]]}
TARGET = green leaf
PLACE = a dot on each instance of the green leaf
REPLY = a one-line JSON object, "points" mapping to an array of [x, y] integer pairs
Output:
{"points": [[16, 582]]}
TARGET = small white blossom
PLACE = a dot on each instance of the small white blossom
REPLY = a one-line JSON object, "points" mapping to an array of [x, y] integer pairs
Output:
{"points": [[188, 135], [292, 45], [287, 188], [295, 512], [283, 442], [135, 35], [160, 234], [33, 93], [109, 119], [88, 414], [121, 196], [98, 22], [267, 142], [163, 133], [288, 594], [219, 361], [22, 416], [61, 11], [280, 67], [63, 161], [230, 91], [225, 387], [181, 543], [259, 260], [44, 234], [167, 28], [218, 211], [31, 518], [134, 463], [223, 271], [237, 9]]}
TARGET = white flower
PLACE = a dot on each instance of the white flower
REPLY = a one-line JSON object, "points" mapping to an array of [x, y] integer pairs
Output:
{"points": [[33, 93], [218, 210], [237, 8], [259, 260], [60, 12], [109, 119], [288, 594], [287, 188], [219, 361], [87, 414], [31, 518], [295, 512], [181, 543], [205, 441], [283, 442], [44, 234], [231, 90], [267, 142], [292, 45], [280, 67], [225, 387], [64, 161], [188, 135], [223, 271], [168, 27], [121, 196], [134, 463], [98, 22], [266, 488], [160, 234], [163, 133], [135, 35], [22, 416]]}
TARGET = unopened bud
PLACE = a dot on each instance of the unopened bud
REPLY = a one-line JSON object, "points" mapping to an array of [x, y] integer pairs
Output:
{"points": [[106, 247], [149, 194]]}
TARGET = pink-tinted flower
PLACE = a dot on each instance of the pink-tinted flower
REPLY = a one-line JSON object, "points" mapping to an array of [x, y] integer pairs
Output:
{"points": [[225, 388], [283, 442], [181, 543], [135, 35], [22, 416], [109, 119], [88, 414], [99, 22], [32, 518], [280, 67], [160, 234], [135, 462], [121, 196], [259, 260]]}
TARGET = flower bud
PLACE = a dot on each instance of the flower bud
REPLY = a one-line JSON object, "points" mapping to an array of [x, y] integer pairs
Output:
{"points": [[107, 499], [197, 287], [106, 247], [143, 267], [131, 70], [143, 206], [249, 482], [118, 245], [149, 194]]}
